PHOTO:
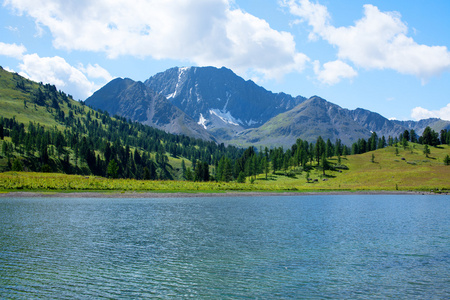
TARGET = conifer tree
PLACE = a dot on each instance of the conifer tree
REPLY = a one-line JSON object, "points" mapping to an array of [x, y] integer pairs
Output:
{"points": [[426, 150], [113, 169]]}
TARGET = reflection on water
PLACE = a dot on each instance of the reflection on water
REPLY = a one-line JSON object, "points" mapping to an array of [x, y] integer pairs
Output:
{"points": [[250, 247]]}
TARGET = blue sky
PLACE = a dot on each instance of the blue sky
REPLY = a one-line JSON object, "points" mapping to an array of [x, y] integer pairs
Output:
{"points": [[391, 57]]}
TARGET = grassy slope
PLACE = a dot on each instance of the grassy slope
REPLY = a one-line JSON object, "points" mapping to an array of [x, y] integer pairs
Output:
{"points": [[18, 103], [13, 99], [387, 173]]}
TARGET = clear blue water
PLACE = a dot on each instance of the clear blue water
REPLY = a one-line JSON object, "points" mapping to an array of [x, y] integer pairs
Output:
{"points": [[306, 247]]}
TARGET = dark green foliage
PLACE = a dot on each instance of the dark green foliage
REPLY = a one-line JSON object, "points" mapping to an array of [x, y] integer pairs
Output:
{"points": [[113, 169], [241, 177], [17, 165], [201, 171], [224, 169], [429, 137], [188, 174], [413, 136], [39, 98], [426, 150], [372, 142], [46, 168], [320, 148], [447, 160], [406, 135], [325, 165], [445, 136]]}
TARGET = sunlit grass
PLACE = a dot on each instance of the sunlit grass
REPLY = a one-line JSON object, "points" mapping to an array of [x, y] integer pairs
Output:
{"points": [[388, 172]]}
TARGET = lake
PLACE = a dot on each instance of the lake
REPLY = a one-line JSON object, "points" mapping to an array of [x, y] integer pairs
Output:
{"points": [[287, 247]]}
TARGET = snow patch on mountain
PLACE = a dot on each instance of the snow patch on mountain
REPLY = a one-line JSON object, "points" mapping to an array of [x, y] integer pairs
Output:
{"points": [[181, 76], [171, 95], [202, 121], [225, 116]]}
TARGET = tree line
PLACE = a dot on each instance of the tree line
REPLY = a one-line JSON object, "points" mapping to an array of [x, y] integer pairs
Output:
{"points": [[87, 141]]}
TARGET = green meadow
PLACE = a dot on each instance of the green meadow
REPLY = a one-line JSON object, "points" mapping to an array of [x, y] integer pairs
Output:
{"points": [[409, 170]]}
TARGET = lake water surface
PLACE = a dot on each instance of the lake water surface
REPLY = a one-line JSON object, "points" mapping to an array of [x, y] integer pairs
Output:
{"points": [[325, 246]]}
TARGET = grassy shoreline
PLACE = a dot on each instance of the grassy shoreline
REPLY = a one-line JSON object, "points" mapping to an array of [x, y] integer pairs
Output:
{"points": [[381, 171], [27, 184], [100, 194]]}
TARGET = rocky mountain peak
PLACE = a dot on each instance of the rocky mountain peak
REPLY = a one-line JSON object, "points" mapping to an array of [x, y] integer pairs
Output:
{"points": [[216, 104]]}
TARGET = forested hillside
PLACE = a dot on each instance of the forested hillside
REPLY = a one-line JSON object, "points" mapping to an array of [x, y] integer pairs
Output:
{"points": [[45, 130]]}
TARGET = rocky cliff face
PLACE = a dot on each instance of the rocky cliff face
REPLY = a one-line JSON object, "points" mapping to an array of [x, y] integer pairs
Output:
{"points": [[218, 99], [135, 101]]}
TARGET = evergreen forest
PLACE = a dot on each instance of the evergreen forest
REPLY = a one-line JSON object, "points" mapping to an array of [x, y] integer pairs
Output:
{"points": [[45, 130]]}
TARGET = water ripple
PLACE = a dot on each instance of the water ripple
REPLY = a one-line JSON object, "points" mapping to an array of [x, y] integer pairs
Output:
{"points": [[327, 247]]}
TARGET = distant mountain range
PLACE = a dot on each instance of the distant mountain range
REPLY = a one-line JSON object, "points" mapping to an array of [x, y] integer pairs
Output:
{"points": [[216, 104]]}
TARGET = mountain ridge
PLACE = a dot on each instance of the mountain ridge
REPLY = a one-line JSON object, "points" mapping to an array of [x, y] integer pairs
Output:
{"points": [[135, 101], [209, 93], [235, 111]]}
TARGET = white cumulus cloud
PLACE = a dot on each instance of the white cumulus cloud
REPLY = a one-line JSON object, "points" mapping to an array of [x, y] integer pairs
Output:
{"points": [[420, 113], [376, 41], [333, 72], [12, 50], [203, 32], [56, 70], [96, 71]]}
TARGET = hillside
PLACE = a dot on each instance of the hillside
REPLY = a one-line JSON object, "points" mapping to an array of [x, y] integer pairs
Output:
{"points": [[45, 130], [308, 120]]}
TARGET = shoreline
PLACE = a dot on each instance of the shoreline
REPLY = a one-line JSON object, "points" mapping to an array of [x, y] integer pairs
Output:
{"points": [[136, 195]]}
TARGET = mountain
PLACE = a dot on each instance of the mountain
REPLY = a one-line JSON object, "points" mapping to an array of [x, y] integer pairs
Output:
{"points": [[222, 102], [418, 126], [308, 120], [316, 116], [216, 104], [134, 100], [45, 130], [375, 122]]}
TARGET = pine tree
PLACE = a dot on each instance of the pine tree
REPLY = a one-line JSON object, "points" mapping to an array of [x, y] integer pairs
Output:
{"points": [[325, 165], [188, 175], [113, 169], [447, 160], [266, 166], [227, 175], [426, 150], [17, 165], [241, 177]]}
